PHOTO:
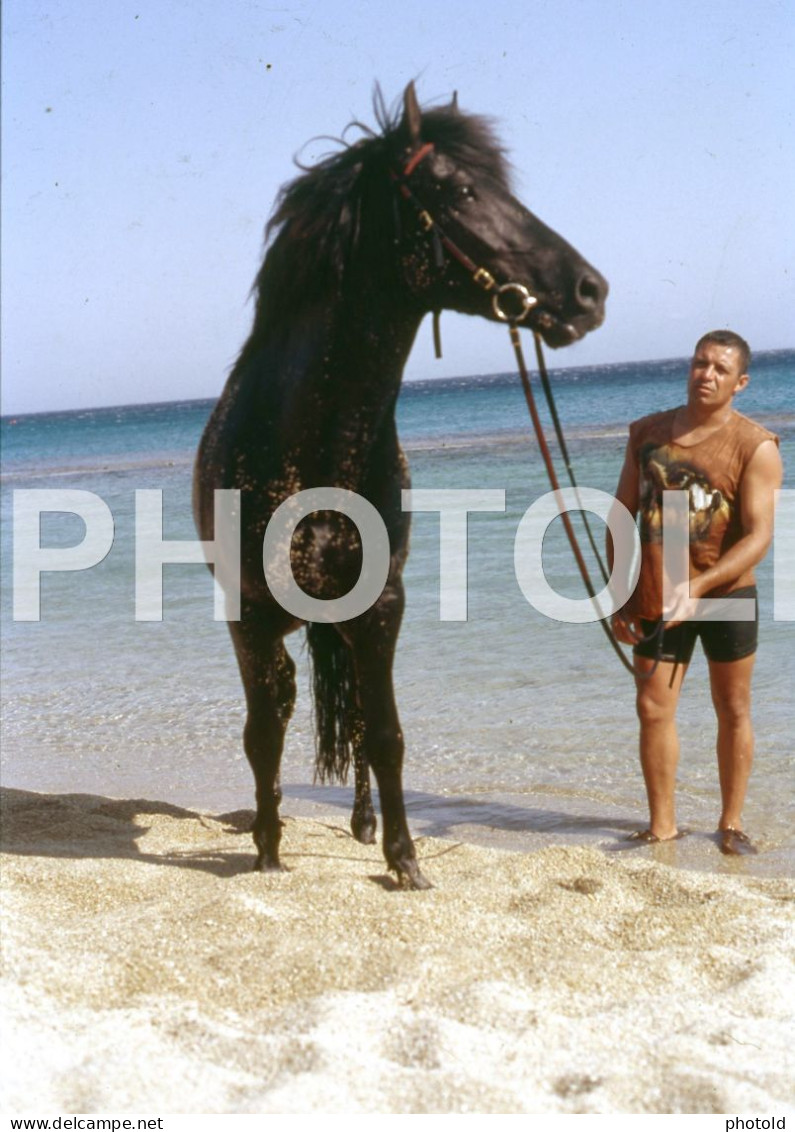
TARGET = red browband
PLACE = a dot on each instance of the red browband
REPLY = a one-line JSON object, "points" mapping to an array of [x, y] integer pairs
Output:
{"points": [[422, 152]]}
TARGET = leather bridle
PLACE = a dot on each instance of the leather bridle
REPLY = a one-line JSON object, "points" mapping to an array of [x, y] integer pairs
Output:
{"points": [[480, 276]]}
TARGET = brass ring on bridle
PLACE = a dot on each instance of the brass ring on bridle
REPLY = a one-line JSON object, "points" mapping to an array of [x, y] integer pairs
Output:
{"points": [[527, 301]]}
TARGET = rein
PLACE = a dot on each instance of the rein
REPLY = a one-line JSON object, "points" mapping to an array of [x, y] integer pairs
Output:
{"points": [[483, 278], [555, 485]]}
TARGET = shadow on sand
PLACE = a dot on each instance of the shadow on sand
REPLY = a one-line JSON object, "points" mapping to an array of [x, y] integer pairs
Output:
{"points": [[93, 826]]}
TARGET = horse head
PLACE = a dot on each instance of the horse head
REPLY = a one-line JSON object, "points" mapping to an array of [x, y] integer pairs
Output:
{"points": [[469, 245]]}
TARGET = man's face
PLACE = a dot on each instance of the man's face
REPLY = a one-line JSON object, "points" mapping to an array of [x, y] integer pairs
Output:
{"points": [[715, 376]]}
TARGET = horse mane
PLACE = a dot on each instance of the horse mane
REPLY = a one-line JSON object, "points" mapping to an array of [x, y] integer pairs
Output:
{"points": [[320, 225]]}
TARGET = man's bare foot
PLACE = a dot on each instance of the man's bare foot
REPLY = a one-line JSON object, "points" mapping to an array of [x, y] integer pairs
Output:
{"points": [[735, 843], [649, 838]]}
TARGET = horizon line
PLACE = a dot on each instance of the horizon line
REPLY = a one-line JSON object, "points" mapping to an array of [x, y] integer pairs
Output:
{"points": [[12, 416]]}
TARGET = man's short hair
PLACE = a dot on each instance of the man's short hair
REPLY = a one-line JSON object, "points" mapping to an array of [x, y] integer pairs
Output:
{"points": [[728, 338]]}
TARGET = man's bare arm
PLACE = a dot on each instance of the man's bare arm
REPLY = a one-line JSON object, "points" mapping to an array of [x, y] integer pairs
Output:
{"points": [[762, 477], [627, 493]]}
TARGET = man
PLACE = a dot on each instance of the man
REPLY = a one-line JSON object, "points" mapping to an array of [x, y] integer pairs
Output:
{"points": [[730, 467]]}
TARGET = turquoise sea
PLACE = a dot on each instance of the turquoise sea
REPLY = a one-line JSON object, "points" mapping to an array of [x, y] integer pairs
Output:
{"points": [[520, 731]]}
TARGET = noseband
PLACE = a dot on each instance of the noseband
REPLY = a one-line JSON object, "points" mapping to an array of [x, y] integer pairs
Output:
{"points": [[484, 279]]}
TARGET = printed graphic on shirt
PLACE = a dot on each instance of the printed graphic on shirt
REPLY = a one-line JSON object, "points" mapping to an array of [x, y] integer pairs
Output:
{"points": [[662, 470]]}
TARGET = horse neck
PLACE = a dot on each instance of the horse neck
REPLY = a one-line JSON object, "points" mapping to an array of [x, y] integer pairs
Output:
{"points": [[357, 381], [372, 332]]}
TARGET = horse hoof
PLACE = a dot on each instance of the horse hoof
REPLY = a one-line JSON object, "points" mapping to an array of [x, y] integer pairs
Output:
{"points": [[364, 831], [265, 864], [410, 879]]}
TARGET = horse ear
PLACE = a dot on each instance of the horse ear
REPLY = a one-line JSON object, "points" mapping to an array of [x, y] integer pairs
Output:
{"points": [[411, 125]]}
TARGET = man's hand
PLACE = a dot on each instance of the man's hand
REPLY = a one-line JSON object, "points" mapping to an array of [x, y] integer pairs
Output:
{"points": [[680, 603], [626, 629]]}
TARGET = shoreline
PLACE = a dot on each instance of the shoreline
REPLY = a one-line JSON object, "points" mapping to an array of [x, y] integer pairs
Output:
{"points": [[546, 817], [146, 968]]}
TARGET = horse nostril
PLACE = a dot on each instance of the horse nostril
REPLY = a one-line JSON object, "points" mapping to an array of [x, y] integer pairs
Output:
{"points": [[589, 291]]}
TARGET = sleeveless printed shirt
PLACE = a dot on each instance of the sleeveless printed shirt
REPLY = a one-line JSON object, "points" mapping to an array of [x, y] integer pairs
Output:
{"points": [[711, 471]]}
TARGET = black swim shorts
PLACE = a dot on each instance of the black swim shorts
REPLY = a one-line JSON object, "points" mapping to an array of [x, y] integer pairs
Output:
{"points": [[721, 640]]}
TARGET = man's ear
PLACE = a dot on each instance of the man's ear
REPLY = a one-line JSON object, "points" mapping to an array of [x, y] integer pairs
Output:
{"points": [[742, 383], [411, 123]]}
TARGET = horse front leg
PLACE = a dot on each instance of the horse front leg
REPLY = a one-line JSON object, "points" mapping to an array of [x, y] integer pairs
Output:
{"points": [[268, 674], [372, 641], [363, 821], [383, 743]]}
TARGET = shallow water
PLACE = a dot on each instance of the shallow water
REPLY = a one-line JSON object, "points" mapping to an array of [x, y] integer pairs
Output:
{"points": [[519, 730]]}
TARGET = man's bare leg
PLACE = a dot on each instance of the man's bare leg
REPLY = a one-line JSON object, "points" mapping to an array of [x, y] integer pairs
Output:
{"points": [[657, 699], [730, 682]]}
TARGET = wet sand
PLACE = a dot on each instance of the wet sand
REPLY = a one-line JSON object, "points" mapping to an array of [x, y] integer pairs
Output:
{"points": [[148, 970]]}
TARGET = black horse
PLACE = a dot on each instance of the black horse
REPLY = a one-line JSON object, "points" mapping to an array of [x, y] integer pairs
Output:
{"points": [[413, 219]]}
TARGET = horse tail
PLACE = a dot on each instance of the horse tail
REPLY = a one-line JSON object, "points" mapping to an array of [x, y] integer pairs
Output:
{"points": [[337, 718]]}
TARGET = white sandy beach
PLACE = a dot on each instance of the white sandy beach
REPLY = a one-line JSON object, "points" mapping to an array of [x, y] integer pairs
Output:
{"points": [[147, 969]]}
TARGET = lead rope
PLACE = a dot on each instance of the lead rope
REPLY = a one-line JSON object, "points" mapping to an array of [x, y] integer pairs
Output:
{"points": [[564, 451], [555, 484]]}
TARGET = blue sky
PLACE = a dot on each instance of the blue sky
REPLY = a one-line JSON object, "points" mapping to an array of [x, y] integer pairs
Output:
{"points": [[144, 142]]}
